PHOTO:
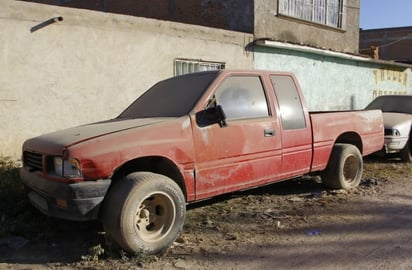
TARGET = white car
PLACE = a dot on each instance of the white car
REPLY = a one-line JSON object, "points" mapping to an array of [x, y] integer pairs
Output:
{"points": [[397, 119]]}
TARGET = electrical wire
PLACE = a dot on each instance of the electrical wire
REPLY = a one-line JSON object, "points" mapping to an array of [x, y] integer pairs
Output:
{"points": [[394, 42], [390, 43]]}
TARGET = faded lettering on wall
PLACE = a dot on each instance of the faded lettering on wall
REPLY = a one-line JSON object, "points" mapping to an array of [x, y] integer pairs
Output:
{"points": [[398, 82]]}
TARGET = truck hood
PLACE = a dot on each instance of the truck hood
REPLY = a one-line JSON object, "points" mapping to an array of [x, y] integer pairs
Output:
{"points": [[56, 142], [391, 120]]}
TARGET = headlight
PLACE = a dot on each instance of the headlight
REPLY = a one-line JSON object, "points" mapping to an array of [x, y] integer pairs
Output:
{"points": [[392, 132], [67, 167]]}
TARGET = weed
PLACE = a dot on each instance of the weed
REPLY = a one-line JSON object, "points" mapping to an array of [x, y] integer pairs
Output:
{"points": [[94, 253], [17, 217], [9, 180], [140, 258]]}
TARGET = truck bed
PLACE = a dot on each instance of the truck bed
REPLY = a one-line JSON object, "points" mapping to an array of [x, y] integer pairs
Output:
{"points": [[330, 127]]}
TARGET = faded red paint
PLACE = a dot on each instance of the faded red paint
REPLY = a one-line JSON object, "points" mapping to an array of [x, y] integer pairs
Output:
{"points": [[213, 160]]}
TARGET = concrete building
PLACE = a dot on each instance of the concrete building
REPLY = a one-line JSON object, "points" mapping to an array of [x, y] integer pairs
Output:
{"points": [[392, 44], [332, 24], [65, 66]]}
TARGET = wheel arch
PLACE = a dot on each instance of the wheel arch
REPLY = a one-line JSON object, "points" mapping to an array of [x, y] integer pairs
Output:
{"points": [[155, 164], [351, 138]]}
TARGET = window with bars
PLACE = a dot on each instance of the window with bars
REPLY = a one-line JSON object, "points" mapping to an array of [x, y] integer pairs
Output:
{"points": [[327, 12], [184, 66]]}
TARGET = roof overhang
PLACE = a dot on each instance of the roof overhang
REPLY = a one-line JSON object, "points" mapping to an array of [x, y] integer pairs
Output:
{"points": [[324, 52]]}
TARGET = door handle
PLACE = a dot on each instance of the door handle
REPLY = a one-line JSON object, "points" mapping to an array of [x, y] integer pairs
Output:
{"points": [[269, 132]]}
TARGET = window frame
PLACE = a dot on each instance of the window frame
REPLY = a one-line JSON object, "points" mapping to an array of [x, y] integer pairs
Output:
{"points": [[325, 14], [195, 66], [289, 100], [262, 88]]}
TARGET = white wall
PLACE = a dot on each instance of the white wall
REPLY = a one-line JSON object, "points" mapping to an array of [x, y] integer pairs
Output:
{"points": [[91, 65]]}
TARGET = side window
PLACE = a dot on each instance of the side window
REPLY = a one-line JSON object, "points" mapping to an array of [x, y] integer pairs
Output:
{"points": [[290, 105], [242, 97]]}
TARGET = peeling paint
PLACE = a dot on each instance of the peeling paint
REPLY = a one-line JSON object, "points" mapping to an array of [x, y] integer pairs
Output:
{"points": [[205, 134]]}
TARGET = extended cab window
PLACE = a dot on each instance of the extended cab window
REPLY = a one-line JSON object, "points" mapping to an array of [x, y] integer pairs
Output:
{"points": [[242, 97], [290, 105]]}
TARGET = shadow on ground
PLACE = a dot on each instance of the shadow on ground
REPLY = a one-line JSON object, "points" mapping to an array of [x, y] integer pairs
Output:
{"points": [[351, 227], [61, 241]]}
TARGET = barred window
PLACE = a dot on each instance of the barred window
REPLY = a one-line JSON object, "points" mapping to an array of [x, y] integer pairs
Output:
{"points": [[183, 66], [327, 12]]}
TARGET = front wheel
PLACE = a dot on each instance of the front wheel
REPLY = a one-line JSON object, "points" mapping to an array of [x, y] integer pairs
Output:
{"points": [[144, 212], [344, 169]]}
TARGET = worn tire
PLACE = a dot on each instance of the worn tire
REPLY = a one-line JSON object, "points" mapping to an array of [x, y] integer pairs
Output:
{"points": [[144, 212], [344, 169], [405, 153]]}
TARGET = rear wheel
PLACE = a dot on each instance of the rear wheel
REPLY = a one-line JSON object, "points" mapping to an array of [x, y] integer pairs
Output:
{"points": [[405, 153], [344, 170], [144, 212]]}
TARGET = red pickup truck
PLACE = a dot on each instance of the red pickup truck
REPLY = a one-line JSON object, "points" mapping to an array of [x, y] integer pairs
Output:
{"points": [[186, 139]]}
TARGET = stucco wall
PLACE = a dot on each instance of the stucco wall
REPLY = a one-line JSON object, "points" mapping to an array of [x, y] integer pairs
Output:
{"points": [[270, 24], [236, 15], [91, 65], [332, 83]]}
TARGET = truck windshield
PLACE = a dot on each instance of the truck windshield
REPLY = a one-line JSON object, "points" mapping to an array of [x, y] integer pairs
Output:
{"points": [[174, 97]]}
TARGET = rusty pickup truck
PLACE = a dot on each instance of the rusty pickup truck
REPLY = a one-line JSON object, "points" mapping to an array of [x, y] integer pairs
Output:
{"points": [[189, 138]]}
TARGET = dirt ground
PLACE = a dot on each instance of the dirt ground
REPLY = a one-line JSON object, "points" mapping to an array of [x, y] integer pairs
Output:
{"points": [[297, 224]]}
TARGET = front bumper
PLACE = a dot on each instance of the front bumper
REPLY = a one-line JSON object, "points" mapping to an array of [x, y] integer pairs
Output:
{"points": [[77, 201], [394, 144]]}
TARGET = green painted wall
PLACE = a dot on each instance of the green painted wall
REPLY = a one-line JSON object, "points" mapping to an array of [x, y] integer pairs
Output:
{"points": [[333, 83]]}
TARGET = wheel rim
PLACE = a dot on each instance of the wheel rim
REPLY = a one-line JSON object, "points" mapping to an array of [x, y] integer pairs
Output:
{"points": [[155, 217], [350, 169]]}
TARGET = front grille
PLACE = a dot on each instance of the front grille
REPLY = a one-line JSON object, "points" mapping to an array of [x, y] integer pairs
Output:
{"points": [[388, 132], [33, 161]]}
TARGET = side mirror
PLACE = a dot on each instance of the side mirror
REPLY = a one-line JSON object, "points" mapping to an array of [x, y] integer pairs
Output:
{"points": [[210, 116]]}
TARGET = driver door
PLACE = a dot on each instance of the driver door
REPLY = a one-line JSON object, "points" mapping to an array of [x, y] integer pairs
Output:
{"points": [[246, 151]]}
